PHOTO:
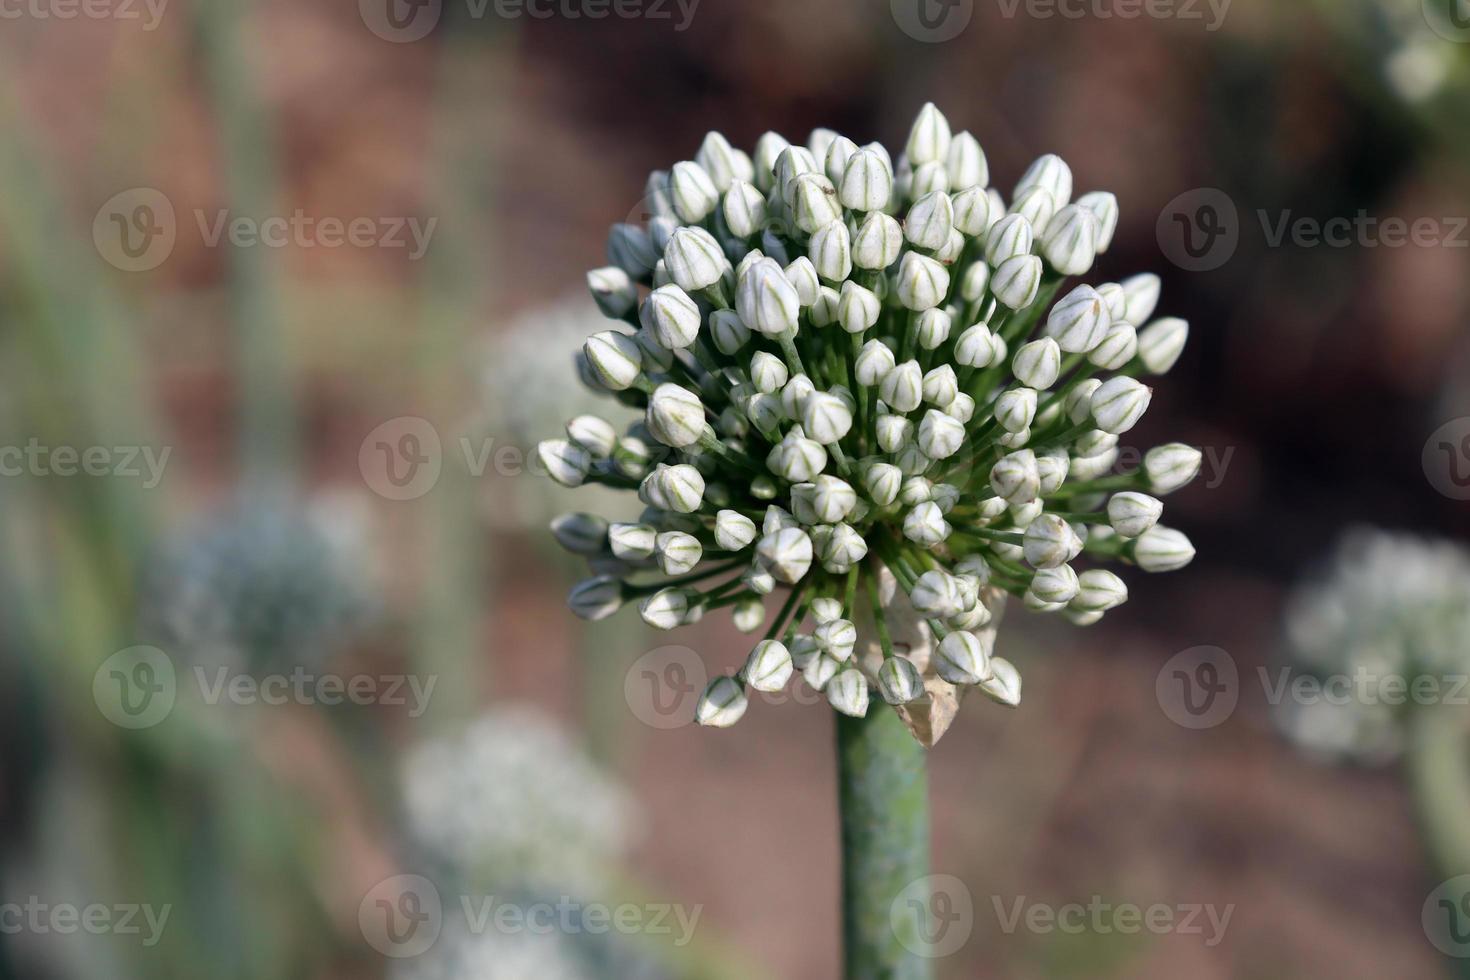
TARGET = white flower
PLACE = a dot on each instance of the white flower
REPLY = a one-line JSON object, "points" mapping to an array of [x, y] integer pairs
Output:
{"points": [[1131, 514], [833, 499], [596, 598], [1104, 207], [877, 243], [873, 363], [930, 220], [831, 251], [567, 464], [694, 194], [1050, 541], [722, 704], [937, 593], [632, 542], [966, 164], [766, 301], [694, 259], [922, 282], [675, 416], [867, 183], [899, 681], [1017, 281], [1051, 174], [1099, 590], [665, 609], [902, 388], [925, 525], [963, 659], [1118, 346], [678, 552], [836, 638], [826, 418], [940, 386], [1008, 238], [1015, 478], [630, 249], [1162, 549], [1171, 466], [1142, 292], [613, 290], [929, 139], [1055, 585], [1161, 343], [1038, 363], [595, 435], [744, 209], [786, 554], [848, 692], [1079, 321], [940, 435], [615, 357], [769, 667], [1070, 242], [1119, 403], [672, 316], [933, 329], [1003, 686]]}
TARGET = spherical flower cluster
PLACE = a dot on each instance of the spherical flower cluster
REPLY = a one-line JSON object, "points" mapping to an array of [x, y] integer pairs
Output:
{"points": [[512, 801], [1389, 613], [851, 366]]}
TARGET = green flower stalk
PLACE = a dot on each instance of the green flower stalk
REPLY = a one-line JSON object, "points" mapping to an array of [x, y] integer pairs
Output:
{"points": [[865, 425]]}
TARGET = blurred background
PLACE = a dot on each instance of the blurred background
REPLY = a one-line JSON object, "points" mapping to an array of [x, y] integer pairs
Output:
{"points": [[288, 294]]}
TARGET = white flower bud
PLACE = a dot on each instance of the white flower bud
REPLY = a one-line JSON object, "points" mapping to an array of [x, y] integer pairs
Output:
{"points": [[819, 670], [613, 291], [768, 150], [830, 251], [899, 681], [565, 463], [894, 431], [1015, 479], [937, 594], [1161, 343], [835, 156], [1054, 585], [768, 373], [581, 534], [858, 308], [1099, 590], [975, 347], [1070, 240], [1050, 173], [748, 615], [766, 300], [672, 317], [1092, 467], [941, 386], [903, 387], [1119, 404], [972, 211], [675, 416], [745, 209], [940, 435], [966, 164], [843, 549], [837, 639], [867, 182], [1171, 466], [933, 328], [795, 394], [953, 248], [1037, 206], [716, 157], [963, 659], [848, 692], [929, 138], [962, 408], [930, 220], [1078, 321], [596, 598], [814, 202], [925, 525], [665, 609], [682, 486], [1131, 514], [722, 704], [1051, 469], [656, 357], [1116, 299], [694, 193], [1017, 281], [873, 363], [1016, 409], [1015, 440], [797, 460], [694, 259], [803, 277], [729, 332], [1118, 346], [927, 179], [1038, 363], [786, 554], [1050, 541], [923, 283], [973, 567], [660, 231], [1003, 686], [824, 310], [615, 358], [1162, 549], [1104, 207], [833, 499], [916, 490], [769, 666], [877, 243], [777, 519], [882, 481], [632, 542], [1009, 237], [678, 552], [630, 249], [764, 411], [826, 418], [593, 434], [758, 580], [1078, 403], [794, 162], [1143, 297], [733, 531], [826, 609]]}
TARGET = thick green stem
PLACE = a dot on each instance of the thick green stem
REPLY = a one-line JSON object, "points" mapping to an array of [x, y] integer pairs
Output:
{"points": [[1438, 766], [883, 794]]}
